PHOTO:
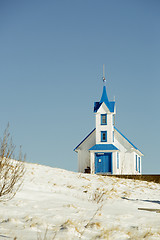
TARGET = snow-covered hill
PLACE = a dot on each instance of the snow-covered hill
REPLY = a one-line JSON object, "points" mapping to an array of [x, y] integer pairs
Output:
{"points": [[68, 205]]}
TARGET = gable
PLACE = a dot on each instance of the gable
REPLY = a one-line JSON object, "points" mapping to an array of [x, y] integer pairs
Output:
{"points": [[126, 142], [103, 109], [89, 138], [110, 106]]}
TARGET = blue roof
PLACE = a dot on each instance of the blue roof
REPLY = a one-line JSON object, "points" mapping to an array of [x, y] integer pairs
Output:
{"points": [[104, 99], [84, 139], [126, 139], [97, 106], [101, 147], [112, 104]]}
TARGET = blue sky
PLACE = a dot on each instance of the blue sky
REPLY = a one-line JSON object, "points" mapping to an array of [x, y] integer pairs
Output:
{"points": [[51, 57]]}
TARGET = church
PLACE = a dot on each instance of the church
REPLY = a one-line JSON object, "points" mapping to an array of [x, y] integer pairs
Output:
{"points": [[105, 150]]}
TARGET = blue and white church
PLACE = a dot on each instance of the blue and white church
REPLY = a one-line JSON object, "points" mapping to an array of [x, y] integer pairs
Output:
{"points": [[106, 150]]}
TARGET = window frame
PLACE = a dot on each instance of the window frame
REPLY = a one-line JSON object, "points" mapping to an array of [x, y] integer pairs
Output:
{"points": [[139, 164], [104, 115], [103, 132], [136, 162]]}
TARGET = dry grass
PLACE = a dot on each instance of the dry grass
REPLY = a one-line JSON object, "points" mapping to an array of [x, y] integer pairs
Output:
{"points": [[40, 237], [135, 233], [11, 171], [146, 177]]}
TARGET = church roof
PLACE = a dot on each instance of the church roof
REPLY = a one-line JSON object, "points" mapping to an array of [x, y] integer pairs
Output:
{"points": [[84, 139], [104, 99], [109, 147], [102, 147], [127, 140]]}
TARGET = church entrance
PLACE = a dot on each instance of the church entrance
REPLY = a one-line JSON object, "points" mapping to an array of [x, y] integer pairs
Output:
{"points": [[103, 163]]}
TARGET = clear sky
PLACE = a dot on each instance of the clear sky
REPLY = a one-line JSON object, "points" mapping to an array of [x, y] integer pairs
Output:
{"points": [[51, 57]]}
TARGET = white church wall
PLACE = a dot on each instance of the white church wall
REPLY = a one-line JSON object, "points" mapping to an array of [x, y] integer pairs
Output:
{"points": [[110, 128], [114, 162], [84, 160], [136, 171], [92, 160], [127, 156], [83, 153], [133, 157], [98, 139], [115, 168], [122, 149], [129, 164]]}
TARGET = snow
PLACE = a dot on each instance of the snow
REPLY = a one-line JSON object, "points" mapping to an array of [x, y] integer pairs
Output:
{"points": [[58, 204]]}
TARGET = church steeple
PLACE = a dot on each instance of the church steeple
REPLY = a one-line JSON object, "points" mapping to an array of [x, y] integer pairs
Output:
{"points": [[104, 98], [104, 79], [104, 114]]}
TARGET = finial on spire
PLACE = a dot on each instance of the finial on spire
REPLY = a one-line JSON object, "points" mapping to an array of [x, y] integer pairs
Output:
{"points": [[104, 80]]}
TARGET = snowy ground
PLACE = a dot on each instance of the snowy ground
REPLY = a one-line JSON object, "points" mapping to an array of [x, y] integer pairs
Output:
{"points": [[68, 205]]}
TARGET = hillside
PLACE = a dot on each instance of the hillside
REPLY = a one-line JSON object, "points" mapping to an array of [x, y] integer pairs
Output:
{"points": [[68, 205]]}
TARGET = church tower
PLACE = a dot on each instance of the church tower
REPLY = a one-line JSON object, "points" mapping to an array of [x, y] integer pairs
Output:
{"points": [[105, 118]]}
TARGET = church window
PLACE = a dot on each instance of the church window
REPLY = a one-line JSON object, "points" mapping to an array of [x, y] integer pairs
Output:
{"points": [[139, 162], [103, 119], [136, 163], [104, 136]]}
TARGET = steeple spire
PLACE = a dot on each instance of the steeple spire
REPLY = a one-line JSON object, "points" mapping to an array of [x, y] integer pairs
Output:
{"points": [[104, 80], [104, 97]]}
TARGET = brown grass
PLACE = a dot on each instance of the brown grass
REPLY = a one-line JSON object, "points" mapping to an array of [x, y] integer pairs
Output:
{"points": [[149, 178]]}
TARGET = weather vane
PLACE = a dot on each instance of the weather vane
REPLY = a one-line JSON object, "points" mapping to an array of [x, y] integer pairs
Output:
{"points": [[104, 80]]}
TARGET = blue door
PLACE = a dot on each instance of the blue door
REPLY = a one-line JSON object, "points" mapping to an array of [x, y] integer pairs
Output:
{"points": [[103, 163]]}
